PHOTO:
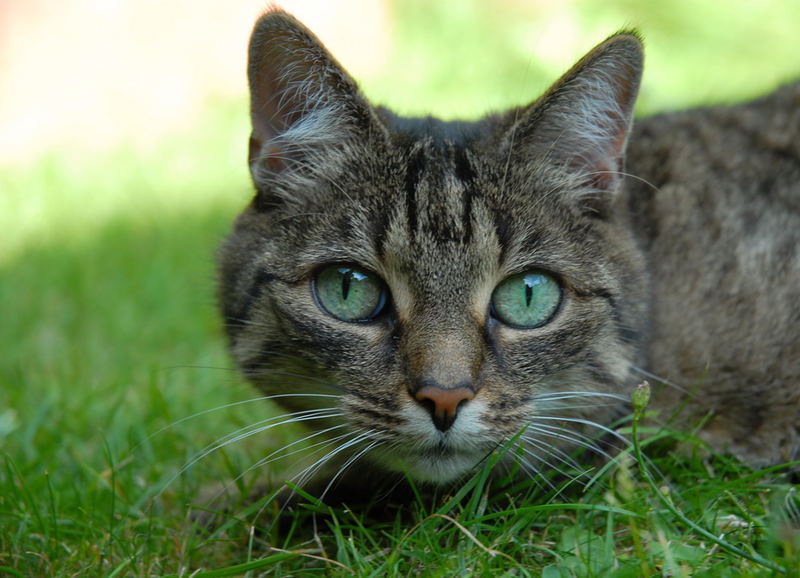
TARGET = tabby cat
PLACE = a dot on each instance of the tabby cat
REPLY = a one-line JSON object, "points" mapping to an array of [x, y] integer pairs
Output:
{"points": [[420, 292]]}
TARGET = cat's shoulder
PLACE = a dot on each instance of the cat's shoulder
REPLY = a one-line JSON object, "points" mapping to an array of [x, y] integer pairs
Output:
{"points": [[771, 120], [754, 144]]}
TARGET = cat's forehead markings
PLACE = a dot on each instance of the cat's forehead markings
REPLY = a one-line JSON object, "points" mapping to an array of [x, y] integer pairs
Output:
{"points": [[439, 189], [435, 263]]}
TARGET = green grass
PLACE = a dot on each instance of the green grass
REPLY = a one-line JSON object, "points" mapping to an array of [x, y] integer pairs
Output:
{"points": [[109, 335]]}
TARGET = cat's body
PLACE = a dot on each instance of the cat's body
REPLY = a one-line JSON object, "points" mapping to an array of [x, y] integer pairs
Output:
{"points": [[446, 286], [719, 221]]}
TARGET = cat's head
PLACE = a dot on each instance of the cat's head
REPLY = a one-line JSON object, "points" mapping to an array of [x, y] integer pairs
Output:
{"points": [[442, 286]]}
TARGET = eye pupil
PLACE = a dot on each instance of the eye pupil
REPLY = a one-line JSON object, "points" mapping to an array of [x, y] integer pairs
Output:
{"points": [[528, 293], [345, 283]]}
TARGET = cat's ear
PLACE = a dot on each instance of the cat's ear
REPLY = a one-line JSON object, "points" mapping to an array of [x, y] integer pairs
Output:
{"points": [[582, 123], [303, 106]]}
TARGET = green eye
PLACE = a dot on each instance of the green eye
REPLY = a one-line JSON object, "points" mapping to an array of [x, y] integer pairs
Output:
{"points": [[526, 300], [348, 293]]}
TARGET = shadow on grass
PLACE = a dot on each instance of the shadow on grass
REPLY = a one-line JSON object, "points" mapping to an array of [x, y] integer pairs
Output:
{"points": [[105, 341]]}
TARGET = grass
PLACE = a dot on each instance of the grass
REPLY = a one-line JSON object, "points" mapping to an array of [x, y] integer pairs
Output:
{"points": [[111, 354]]}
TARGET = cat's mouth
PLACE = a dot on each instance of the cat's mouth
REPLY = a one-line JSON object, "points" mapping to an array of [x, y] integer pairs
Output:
{"points": [[427, 454], [440, 464], [443, 449]]}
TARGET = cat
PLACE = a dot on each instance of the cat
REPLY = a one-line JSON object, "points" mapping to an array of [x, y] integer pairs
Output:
{"points": [[420, 292]]}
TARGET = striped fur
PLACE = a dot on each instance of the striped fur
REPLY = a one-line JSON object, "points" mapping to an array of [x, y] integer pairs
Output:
{"points": [[443, 212]]}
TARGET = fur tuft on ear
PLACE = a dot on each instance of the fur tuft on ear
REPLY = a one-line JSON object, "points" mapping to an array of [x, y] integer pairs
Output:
{"points": [[303, 107], [582, 123]]}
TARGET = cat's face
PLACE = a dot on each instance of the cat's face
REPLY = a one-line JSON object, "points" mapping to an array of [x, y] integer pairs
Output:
{"points": [[429, 290]]}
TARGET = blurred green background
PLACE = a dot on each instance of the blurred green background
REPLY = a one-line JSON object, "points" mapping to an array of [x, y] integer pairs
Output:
{"points": [[108, 328]]}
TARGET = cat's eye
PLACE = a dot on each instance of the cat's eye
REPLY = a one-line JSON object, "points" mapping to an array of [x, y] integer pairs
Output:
{"points": [[349, 293], [526, 300]]}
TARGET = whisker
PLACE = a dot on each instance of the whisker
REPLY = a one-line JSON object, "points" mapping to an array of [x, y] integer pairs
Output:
{"points": [[577, 438], [626, 443], [535, 472], [557, 396], [251, 430], [261, 370], [626, 174], [565, 407], [227, 406], [302, 477], [658, 379], [307, 383], [281, 452], [346, 465], [308, 472], [586, 422], [562, 455], [264, 425], [790, 506], [206, 367]]}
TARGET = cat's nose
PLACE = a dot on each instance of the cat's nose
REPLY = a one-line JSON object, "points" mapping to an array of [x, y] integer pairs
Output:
{"points": [[443, 404]]}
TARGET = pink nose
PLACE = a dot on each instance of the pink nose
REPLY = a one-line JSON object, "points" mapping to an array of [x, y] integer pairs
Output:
{"points": [[443, 404]]}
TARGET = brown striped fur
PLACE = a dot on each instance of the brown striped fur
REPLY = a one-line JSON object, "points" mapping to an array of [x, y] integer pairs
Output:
{"points": [[677, 262]]}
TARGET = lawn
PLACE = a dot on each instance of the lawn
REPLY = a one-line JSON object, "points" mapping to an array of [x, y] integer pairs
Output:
{"points": [[114, 373]]}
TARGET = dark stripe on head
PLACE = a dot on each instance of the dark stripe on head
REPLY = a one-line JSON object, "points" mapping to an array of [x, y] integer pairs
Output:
{"points": [[502, 229], [414, 170], [236, 319], [466, 175], [379, 226]]}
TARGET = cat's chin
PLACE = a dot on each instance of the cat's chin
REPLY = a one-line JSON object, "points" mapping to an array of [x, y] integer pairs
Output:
{"points": [[439, 466]]}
